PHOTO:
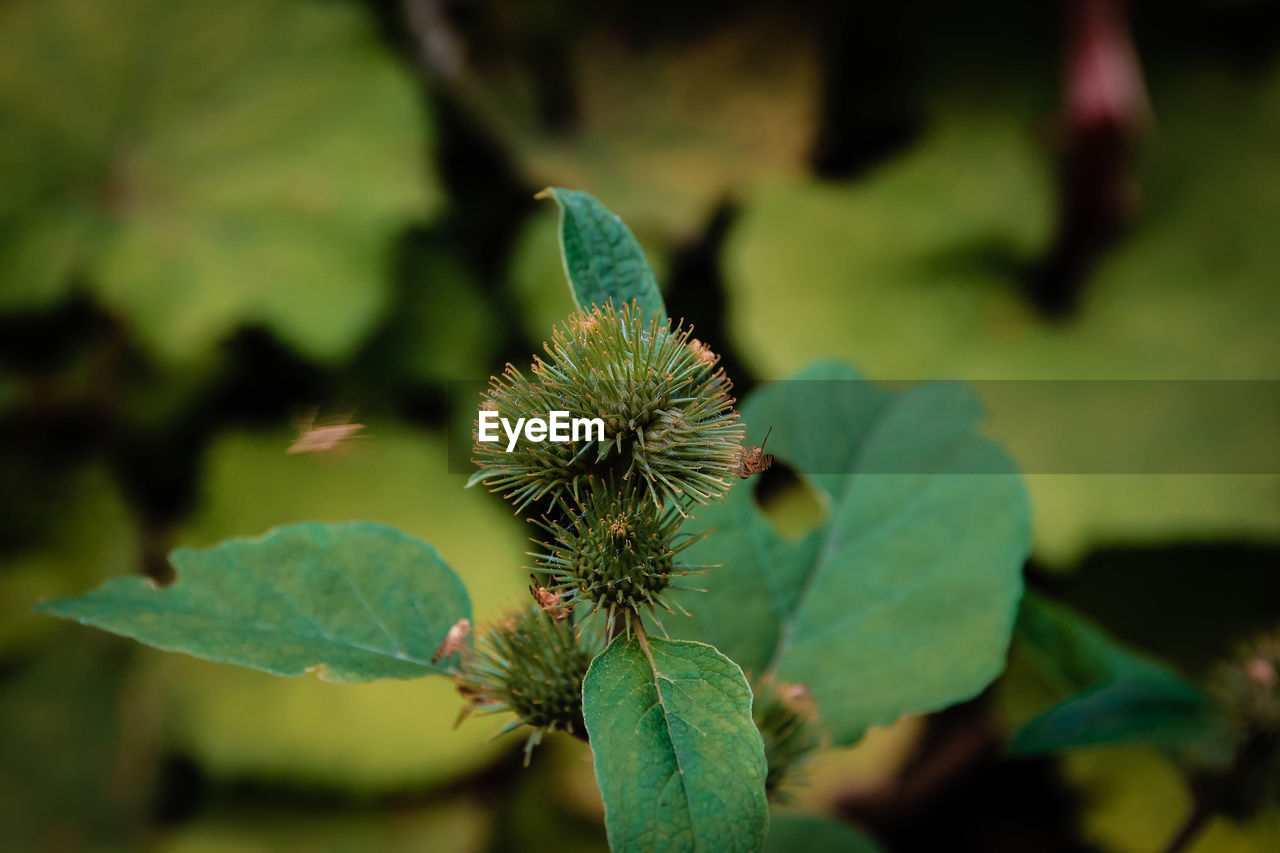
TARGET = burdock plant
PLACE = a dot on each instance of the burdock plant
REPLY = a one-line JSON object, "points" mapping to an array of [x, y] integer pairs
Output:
{"points": [[900, 601], [529, 663], [670, 427], [614, 551]]}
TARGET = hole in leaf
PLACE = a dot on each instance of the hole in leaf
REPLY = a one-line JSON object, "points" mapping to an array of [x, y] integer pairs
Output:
{"points": [[790, 504]]}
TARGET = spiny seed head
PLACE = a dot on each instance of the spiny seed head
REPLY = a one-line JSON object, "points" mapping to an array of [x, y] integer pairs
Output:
{"points": [[787, 718], [669, 420], [531, 664], [1249, 686], [613, 549], [1240, 753]]}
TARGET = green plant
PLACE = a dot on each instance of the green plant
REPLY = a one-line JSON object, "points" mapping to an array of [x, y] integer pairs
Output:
{"points": [[901, 601], [1225, 739]]}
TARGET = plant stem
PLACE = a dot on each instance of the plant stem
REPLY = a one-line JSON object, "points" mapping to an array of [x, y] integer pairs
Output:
{"points": [[617, 623], [1192, 826], [1246, 771]]}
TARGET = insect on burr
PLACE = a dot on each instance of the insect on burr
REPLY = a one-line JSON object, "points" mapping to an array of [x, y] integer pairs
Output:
{"points": [[550, 603], [754, 460]]}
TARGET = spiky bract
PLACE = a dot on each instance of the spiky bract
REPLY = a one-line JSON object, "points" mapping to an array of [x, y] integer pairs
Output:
{"points": [[669, 420], [613, 550], [787, 719], [531, 664]]}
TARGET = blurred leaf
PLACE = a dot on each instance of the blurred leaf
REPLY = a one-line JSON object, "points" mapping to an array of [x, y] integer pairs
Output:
{"points": [[91, 538], [813, 834], [440, 327], [602, 260], [1135, 797], [903, 601], [917, 268], [535, 278], [361, 737], [555, 806], [679, 761], [79, 748], [1114, 695], [353, 602], [876, 762], [368, 739], [571, 780], [666, 130], [455, 827], [207, 171]]}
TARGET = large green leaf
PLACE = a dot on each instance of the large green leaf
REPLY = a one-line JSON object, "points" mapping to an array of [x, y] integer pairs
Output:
{"points": [[904, 600], [678, 759], [602, 259], [251, 484], [205, 171], [793, 833], [355, 601], [1113, 695], [917, 269]]}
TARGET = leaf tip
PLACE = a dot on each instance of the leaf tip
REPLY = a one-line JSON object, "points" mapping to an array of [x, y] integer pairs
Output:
{"points": [[47, 607]]}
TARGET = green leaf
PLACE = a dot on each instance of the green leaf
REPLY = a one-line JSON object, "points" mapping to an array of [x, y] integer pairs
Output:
{"points": [[904, 600], [601, 257], [73, 716], [812, 834], [250, 485], [356, 601], [680, 763], [919, 266], [199, 173], [91, 536], [1114, 695], [535, 275], [439, 327]]}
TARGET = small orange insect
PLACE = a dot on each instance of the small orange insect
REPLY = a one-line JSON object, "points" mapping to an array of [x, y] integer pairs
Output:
{"points": [[549, 602], [754, 460], [453, 641], [324, 438]]}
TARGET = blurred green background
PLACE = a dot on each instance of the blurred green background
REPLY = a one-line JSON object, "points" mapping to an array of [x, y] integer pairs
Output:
{"points": [[216, 218]]}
